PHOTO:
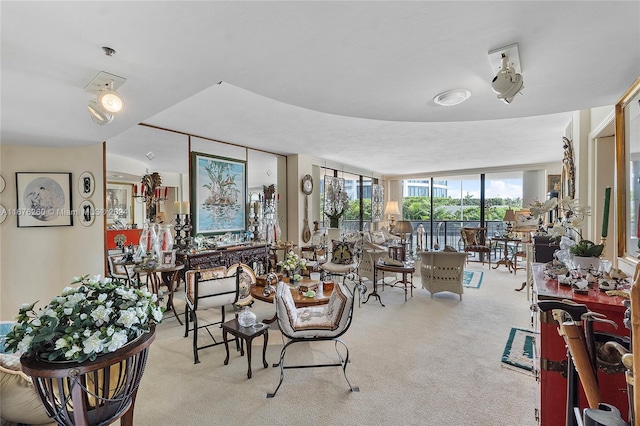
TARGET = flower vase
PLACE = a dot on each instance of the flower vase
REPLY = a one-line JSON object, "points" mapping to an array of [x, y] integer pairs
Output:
{"points": [[334, 222]]}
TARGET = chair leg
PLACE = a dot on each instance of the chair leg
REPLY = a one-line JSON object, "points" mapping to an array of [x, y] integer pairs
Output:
{"points": [[281, 364], [194, 316], [344, 363]]}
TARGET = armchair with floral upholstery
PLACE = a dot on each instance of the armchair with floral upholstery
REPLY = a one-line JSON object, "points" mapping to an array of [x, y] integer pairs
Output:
{"points": [[475, 241]]}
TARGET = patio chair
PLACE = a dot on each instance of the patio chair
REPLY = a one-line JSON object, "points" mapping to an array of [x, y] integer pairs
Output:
{"points": [[442, 271]]}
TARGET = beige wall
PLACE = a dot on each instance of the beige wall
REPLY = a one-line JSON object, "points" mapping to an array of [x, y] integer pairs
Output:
{"points": [[37, 263]]}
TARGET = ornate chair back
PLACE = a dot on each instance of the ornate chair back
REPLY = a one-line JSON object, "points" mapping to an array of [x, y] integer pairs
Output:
{"points": [[314, 323], [209, 288], [475, 241]]}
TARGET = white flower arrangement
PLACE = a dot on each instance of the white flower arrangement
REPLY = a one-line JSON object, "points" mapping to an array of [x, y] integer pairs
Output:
{"points": [[293, 262], [571, 222], [96, 317]]}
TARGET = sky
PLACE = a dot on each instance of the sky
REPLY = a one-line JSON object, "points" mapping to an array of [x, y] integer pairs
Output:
{"points": [[495, 188]]}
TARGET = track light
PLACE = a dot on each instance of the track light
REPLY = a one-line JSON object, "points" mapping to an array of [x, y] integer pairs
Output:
{"points": [[97, 114], [109, 100], [507, 83]]}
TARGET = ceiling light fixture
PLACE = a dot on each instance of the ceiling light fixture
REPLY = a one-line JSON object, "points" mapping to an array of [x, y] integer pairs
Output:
{"points": [[97, 114], [507, 83], [107, 102], [452, 97]]}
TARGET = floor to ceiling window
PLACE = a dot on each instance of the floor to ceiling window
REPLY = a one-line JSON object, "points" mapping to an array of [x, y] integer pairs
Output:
{"points": [[358, 189], [443, 205]]}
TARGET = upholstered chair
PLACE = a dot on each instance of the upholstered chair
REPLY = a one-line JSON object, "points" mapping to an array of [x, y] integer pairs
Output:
{"points": [[475, 241], [345, 258], [209, 289], [120, 271], [314, 323]]}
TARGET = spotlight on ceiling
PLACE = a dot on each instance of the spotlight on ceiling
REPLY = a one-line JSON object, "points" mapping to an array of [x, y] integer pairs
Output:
{"points": [[452, 97], [507, 83], [97, 114], [108, 101]]}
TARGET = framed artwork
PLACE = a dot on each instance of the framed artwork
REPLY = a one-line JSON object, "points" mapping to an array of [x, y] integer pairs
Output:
{"points": [[119, 202], [86, 184], [86, 213], [219, 187], [169, 257], [553, 183], [525, 221], [43, 199]]}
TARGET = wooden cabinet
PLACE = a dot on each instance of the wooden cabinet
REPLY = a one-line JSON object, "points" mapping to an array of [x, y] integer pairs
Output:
{"points": [[551, 353], [256, 256]]}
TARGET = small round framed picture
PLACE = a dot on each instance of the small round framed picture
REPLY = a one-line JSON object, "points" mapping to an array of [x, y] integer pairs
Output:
{"points": [[3, 213], [86, 213], [86, 184]]}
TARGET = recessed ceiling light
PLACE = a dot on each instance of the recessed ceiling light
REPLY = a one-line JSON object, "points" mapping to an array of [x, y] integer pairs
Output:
{"points": [[452, 97]]}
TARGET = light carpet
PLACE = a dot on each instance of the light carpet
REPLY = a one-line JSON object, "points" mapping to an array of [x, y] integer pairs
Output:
{"points": [[420, 362], [518, 351], [472, 279]]}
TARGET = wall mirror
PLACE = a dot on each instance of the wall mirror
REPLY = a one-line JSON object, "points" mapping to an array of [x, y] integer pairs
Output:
{"points": [[628, 171], [142, 150]]}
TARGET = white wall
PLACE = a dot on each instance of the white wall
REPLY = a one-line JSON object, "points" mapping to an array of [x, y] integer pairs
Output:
{"points": [[37, 263]]}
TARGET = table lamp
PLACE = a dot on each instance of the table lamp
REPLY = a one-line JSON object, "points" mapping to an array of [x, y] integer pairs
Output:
{"points": [[509, 217], [392, 209], [402, 228]]}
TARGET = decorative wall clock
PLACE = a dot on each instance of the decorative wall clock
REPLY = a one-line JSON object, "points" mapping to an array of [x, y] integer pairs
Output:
{"points": [[307, 184]]}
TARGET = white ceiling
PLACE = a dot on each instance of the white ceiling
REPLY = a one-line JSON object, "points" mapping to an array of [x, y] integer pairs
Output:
{"points": [[347, 82]]}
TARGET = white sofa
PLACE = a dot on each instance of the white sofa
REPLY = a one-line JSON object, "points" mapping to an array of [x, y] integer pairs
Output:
{"points": [[442, 271]]}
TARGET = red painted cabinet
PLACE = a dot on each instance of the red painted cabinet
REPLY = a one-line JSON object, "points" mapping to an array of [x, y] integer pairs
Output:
{"points": [[128, 236], [551, 352]]}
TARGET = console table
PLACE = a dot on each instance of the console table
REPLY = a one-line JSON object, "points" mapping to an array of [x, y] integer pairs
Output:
{"points": [[256, 256], [550, 359]]}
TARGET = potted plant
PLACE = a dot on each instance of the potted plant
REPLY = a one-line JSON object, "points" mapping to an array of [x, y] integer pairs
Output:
{"points": [[86, 350], [583, 253], [94, 317]]}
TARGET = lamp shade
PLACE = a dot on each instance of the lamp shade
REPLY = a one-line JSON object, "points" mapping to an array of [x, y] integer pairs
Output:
{"points": [[392, 208], [403, 227], [509, 216]]}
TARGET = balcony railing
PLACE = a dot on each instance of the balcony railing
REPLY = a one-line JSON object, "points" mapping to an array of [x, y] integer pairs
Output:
{"points": [[445, 232]]}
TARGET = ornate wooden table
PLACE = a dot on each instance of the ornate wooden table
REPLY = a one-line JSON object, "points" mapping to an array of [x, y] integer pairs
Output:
{"points": [[298, 298]]}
